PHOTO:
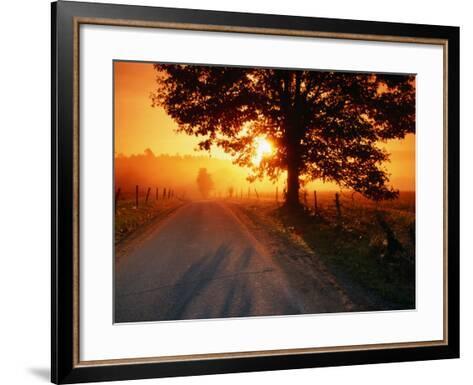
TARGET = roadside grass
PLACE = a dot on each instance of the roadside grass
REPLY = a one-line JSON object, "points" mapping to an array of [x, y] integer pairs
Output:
{"points": [[129, 218], [371, 245]]}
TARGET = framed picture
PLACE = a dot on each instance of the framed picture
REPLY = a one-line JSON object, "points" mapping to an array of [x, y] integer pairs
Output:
{"points": [[244, 192]]}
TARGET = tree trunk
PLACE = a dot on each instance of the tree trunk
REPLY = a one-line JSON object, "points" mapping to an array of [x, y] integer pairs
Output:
{"points": [[293, 171], [293, 184], [293, 134]]}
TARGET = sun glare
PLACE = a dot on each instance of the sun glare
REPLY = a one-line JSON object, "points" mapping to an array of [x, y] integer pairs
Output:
{"points": [[263, 148]]}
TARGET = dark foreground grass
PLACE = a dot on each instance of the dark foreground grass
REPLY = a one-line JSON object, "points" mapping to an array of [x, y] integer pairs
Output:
{"points": [[373, 247], [369, 247]]}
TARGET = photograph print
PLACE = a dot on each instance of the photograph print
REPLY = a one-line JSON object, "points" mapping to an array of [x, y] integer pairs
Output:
{"points": [[253, 191]]}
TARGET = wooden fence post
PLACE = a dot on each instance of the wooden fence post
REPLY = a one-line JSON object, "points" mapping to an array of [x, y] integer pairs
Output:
{"points": [[164, 193], [136, 196], [117, 195], [147, 194]]}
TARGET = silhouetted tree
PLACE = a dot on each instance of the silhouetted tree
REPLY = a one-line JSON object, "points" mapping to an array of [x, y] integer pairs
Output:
{"points": [[323, 125], [205, 182]]}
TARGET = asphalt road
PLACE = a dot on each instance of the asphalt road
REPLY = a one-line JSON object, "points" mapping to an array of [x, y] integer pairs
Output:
{"points": [[202, 262]]}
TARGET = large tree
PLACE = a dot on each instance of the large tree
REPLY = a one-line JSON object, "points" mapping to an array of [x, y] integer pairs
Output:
{"points": [[323, 125]]}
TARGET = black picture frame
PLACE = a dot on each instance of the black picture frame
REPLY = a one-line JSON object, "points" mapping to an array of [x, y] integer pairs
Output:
{"points": [[66, 366]]}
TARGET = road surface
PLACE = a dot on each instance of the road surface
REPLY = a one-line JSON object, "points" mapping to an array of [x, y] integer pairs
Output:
{"points": [[202, 262]]}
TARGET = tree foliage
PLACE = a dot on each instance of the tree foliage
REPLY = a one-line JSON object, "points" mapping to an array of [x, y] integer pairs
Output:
{"points": [[323, 125]]}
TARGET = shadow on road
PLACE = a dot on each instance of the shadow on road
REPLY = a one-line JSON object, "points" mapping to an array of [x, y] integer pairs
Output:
{"points": [[187, 288]]}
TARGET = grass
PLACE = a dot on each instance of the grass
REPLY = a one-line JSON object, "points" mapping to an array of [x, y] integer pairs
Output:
{"points": [[128, 217], [371, 245]]}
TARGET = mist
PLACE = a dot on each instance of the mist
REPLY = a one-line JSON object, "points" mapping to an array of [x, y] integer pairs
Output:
{"points": [[180, 172]]}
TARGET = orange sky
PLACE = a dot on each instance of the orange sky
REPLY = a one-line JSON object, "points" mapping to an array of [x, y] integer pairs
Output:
{"points": [[139, 126]]}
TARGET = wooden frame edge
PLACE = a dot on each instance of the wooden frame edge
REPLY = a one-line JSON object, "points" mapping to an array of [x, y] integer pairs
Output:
{"points": [[78, 21], [77, 364]]}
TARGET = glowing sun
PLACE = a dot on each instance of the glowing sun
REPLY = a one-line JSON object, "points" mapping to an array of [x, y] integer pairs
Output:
{"points": [[263, 148]]}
